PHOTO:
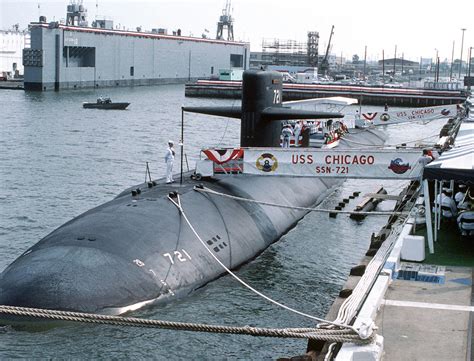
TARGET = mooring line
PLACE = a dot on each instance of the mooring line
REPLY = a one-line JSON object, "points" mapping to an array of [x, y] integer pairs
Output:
{"points": [[177, 203], [91, 318], [311, 209]]}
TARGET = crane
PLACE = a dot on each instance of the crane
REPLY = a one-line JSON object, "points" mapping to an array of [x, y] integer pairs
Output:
{"points": [[324, 67], [225, 20]]}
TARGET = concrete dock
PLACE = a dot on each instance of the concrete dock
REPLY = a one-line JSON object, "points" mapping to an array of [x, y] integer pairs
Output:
{"points": [[428, 321], [368, 95], [14, 85], [421, 311]]}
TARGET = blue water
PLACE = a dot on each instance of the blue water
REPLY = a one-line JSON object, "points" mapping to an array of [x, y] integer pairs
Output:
{"points": [[58, 160]]}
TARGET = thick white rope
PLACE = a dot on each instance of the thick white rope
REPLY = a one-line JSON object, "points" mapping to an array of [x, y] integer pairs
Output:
{"points": [[92, 318], [177, 203], [311, 209]]}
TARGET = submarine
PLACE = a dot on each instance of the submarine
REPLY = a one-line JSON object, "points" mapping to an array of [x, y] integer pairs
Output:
{"points": [[137, 249]]}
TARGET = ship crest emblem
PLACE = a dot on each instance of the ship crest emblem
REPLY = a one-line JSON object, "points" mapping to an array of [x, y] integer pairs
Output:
{"points": [[398, 167], [267, 163], [385, 117]]}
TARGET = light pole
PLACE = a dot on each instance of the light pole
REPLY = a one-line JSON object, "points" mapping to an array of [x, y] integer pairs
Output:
{"points": [[403, 57], [365, 60], [452, 61], [436, 66], [468, 63], [469, 66], [394, 62], [462, 45], [383, 67]]}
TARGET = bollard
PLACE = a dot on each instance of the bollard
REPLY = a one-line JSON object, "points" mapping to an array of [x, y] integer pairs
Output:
{"points": [[346, 292], [358, 270]]}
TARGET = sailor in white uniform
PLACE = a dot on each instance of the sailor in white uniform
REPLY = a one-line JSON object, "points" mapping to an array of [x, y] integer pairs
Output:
{"points": [[448, 206], [461, 194], [297, 132], [286, 133], [466, 222], [169, 158]]}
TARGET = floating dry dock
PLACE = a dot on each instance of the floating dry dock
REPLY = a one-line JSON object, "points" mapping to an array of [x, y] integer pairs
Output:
{"points": [[365, 94], [69, 57]]}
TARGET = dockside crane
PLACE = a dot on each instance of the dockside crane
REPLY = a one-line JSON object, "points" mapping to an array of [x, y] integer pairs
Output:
{"points": [[324, 67], [226, 20]]}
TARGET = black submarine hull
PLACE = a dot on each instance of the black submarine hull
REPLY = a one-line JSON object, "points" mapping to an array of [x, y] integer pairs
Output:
{"points": [[135, 251]]}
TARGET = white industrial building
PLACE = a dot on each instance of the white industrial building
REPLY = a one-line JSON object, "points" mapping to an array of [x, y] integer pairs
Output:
{"points": [[63, 56], [12, 43]]}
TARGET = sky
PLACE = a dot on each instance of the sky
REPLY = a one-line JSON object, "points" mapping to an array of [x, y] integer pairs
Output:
{"points": [[417, 28]]}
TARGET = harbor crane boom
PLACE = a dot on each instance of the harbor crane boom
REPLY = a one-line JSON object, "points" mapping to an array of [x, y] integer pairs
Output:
{"points": [[225, 21], [325, 63]]}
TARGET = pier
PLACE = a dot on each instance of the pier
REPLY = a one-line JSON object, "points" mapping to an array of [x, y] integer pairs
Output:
{"points": [[420, 300], [12, 85], [401, 97]]}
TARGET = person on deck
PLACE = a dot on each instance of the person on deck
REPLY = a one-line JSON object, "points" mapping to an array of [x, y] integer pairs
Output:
{"points": [[465, 222], [169, 158], [461, 193], [448, 206], [357, 120], [297, 132], [461, 199], [286, 132], [425, 158], [357, 115]]}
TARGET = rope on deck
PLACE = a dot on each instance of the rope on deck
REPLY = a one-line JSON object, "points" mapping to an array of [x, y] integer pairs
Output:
{"points": [[365, 332], [176, 200], [335, 335], [311, 209]]}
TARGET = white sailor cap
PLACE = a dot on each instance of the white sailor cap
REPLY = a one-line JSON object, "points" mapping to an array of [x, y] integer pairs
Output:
{"points": [[170, 142]]}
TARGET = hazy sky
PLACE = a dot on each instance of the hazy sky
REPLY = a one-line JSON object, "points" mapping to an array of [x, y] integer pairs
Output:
{"points": [[416, 27]]}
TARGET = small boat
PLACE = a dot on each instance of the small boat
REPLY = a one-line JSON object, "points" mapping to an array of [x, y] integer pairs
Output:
{"points": [[105, 103]]}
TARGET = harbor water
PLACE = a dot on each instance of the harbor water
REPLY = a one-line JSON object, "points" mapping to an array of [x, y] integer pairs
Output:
{"points": [[58, 160]]}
